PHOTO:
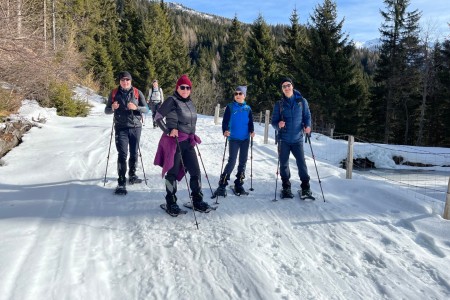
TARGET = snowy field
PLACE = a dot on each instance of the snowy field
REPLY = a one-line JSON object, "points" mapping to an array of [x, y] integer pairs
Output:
{"points": [[64, 235]]}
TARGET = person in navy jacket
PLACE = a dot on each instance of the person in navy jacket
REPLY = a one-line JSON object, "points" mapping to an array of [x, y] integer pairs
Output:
{"points": [[237, 127], [291, 118]]}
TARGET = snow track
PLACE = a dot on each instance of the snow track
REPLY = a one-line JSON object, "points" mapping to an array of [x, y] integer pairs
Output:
{"points": [[66, 236]]}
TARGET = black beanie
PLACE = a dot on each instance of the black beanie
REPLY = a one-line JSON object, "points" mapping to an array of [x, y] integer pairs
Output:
{"points": [[125, 74], [286, 79]]}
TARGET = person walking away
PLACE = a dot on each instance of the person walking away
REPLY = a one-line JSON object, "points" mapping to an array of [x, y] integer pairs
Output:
{"points": [[237, 127], [127, 103], [155, 98], [291, 118], [179, 128]]}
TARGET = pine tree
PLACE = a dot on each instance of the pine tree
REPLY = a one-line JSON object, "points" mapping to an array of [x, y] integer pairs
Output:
{"points": [[294, 40], [261, 67], [233, 60], [390, 96], [134, 40], [335, 92]]}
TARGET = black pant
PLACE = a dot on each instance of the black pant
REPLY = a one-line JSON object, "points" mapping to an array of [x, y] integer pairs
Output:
{"points": [[127, 137], [154, 108], [190, 163]]}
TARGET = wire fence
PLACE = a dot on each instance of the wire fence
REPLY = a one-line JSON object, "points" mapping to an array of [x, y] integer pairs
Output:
{"points": [[422, 171]]}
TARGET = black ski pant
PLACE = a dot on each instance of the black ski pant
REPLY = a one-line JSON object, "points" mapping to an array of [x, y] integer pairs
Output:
{"points": [[127, 137], [192, 167], [297, 151]]}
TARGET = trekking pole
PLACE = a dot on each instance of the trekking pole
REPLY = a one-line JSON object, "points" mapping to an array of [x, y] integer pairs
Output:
{"points": [[187, 184], [206, 174], [278, 166], [109, 150], [139, 149], [251, 164], [308, 139], [221, 169]]}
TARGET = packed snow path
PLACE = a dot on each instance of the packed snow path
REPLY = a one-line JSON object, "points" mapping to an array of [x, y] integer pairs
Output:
{"points": [[66, 236]]}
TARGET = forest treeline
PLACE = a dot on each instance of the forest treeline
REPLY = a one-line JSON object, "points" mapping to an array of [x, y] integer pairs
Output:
{"points": [[398, 93]]}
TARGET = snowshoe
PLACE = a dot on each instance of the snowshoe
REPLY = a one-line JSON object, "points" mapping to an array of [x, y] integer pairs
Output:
{"points": [[221, 191], [134, 179], [286, 193], [200, 206], [174, 210], [120, 190], [306, 194], [238, 191]]}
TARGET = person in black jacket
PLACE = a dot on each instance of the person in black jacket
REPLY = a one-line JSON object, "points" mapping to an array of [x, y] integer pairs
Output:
{"points": [[127, 103], [180, 121]]}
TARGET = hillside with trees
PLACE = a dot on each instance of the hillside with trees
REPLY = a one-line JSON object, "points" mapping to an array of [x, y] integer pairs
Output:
{"points": [[399, 93]]}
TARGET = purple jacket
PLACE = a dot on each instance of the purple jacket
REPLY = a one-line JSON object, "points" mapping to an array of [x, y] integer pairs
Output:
{"points": [[167, 148]]}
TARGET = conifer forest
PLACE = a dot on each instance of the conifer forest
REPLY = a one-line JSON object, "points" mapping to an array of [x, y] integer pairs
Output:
{"points": [[396, 93]]}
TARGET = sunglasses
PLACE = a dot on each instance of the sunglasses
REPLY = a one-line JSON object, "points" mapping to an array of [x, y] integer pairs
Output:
{"points": [[285, 86], [238, 93], [125, 79], [185, 87]]}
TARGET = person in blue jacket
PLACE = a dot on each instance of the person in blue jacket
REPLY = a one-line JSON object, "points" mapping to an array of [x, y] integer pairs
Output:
{"points": [[291, 118], [237, 127]]}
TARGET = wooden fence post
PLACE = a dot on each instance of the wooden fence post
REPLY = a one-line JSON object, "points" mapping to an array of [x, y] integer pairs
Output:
{"points": [[216, 114], [266, 127], [447, 203], [351, 140]]}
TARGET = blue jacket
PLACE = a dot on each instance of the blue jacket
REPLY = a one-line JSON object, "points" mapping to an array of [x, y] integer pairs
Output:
{"points": [[295, 113], [238, 120]]}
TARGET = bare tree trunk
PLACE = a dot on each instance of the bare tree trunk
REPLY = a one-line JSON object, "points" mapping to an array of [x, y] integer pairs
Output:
{"points": [[7, 11], [45, 25], [405, 138], [54, 24], [19, 18], [425, 83]]}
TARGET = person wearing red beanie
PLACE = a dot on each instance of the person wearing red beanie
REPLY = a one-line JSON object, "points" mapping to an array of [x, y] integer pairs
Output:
{"points": [[184, 79], [179, 138]]}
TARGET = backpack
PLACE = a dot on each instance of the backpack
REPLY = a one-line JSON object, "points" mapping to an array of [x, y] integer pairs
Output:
{"points": [[135, 92], [160, 92]]}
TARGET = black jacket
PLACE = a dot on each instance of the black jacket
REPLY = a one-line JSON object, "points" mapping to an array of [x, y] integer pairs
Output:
{"points": [[180, 114], [123, 117]]}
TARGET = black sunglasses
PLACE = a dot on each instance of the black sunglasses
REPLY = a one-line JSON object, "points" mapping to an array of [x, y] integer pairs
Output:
{"points": [[238, 93], [125, 79], [184, 87]]}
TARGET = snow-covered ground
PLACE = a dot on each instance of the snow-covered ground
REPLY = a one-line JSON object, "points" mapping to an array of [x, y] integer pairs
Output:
{"points": [[64, 235]]}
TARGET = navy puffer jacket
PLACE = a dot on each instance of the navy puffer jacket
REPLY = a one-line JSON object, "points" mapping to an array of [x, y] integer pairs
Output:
{"points": [[295, 113]]}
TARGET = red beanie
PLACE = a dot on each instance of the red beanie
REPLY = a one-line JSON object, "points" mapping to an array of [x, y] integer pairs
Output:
{"points": [[184, 79]]}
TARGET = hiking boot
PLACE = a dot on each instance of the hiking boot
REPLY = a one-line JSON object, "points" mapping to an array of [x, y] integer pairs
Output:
{"points": [[221, 191], [134, 179], [173, 208], [154, 124], [286, 193], [223, 181], [201, 205], [306, 193], [120, 190], [239, 189]]}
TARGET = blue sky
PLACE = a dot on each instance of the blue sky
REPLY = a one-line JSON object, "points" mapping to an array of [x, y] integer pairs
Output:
{"points": [[362, 18]]}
